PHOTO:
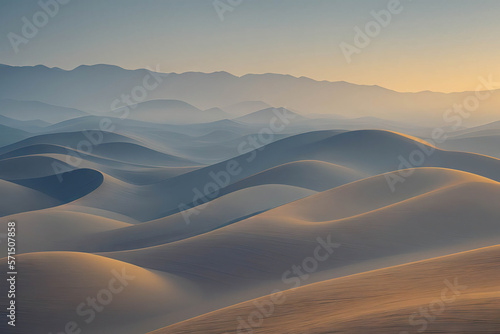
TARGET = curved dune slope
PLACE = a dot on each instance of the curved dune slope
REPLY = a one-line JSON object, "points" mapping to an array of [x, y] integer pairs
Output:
{"points": [[53, 229], [58, 159], [369, 151], [198, 220], [125, 295], [68, 155], [105, 153], [134, 153], [442, 295], [17, 198], [309, 174], [422, 220], [70, 139]]}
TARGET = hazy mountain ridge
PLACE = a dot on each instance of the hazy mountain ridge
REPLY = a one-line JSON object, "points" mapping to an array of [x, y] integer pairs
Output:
{"points": [[96, 87]]}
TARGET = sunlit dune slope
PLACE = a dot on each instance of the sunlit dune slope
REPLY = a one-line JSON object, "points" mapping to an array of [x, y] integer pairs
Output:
{"points": [[16, 198], [451, 294], [451, 211], [59, 287]]}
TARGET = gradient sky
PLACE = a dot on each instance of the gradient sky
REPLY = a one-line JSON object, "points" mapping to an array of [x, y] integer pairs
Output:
{"points": [[439, 45]]}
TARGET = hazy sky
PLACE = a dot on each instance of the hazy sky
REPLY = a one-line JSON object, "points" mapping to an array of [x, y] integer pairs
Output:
{"points": [[440, 45]]}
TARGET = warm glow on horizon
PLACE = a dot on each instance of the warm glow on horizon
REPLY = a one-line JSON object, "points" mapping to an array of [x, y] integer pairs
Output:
{"points": [[427, 45]]}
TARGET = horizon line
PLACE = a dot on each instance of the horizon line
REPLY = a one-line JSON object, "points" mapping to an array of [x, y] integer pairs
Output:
{"points": [[240, 76]]}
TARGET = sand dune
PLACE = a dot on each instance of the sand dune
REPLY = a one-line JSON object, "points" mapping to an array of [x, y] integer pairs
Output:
{"points": [[487, 144], [70, 139], [423, 221], [54, 229], [66, 229], [31, 166], [309, 174], [125, 295], [133, 153], [218, 213], [57, 163], [66, 187], [451, 294], [16, 198], [215, 212], [68, 155], [95, 143], [148, 175], [371, 152]]}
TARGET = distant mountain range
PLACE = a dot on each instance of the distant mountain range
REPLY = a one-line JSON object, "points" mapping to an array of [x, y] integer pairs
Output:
{"points": [[101, 88]]}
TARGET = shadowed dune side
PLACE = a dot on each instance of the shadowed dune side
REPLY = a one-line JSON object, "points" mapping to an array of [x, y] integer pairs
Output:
{"points": [[125, 296], [66, 187], [450, 294], [17, 198], [31, 166], [218, 213], [50, 164], [457, 216]]}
